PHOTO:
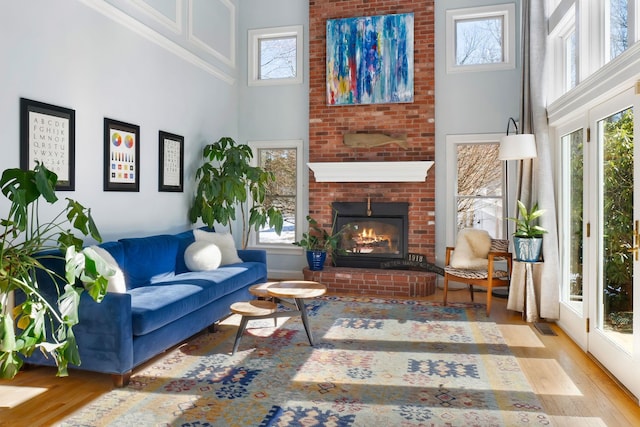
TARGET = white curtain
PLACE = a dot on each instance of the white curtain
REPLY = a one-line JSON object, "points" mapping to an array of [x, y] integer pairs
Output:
{"points": [[535, 178]]}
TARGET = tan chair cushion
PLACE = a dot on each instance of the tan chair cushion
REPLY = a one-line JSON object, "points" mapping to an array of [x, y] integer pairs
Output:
{"points": [[472, 249]]}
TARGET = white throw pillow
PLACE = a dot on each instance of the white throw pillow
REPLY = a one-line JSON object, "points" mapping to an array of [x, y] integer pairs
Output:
{"points": [[224, 241], [472, 249], [116, 283], [202, 256]]}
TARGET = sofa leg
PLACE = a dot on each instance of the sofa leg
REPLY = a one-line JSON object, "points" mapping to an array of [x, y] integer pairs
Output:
{"points": [[212, 328], [121, 380]]}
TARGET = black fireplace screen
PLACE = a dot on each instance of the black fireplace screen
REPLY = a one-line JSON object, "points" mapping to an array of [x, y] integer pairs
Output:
{"points": [[375, 233]]}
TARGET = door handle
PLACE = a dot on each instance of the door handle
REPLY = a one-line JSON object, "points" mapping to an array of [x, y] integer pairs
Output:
{"points": [[636, 239]]}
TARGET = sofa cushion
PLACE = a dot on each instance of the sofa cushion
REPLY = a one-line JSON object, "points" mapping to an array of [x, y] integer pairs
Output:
{"points": [[148, 258], [184, 240], [224, 241], [116, 283], [202, 256], [163, 302]]}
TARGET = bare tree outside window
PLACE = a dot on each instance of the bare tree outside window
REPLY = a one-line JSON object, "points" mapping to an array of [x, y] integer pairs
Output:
{"points": [[479, 41], [618, 27], [479, 188], [278, 58]]}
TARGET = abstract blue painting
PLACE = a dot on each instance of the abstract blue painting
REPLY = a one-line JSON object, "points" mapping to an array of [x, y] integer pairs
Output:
{"points": [[370, 59]]}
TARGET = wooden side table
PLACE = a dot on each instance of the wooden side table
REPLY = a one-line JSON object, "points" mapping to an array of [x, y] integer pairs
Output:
{"points": [[257, 309], [524, 290]]}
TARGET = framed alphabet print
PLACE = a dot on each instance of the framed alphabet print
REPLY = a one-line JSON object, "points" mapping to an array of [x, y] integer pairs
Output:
{"points": [[171, 155], [48, 136], [121, 156]]}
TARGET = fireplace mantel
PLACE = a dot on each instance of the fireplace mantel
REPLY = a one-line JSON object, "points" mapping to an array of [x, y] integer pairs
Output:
{"points": [[370, 171]]}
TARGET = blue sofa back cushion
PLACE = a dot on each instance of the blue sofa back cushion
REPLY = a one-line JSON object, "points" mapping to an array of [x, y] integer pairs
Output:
{"points": [[147, 258], [116, 250]]}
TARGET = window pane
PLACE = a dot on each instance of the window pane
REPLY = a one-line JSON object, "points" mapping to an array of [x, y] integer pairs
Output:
{"points": [[618, 26], [479, 41], [479, 170], [277, 58], [281, 193], [574, 167], [481, 213], [479, 188]]}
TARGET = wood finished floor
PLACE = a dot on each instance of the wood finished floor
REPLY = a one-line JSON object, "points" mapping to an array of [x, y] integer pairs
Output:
{"points": [[572, 388]]}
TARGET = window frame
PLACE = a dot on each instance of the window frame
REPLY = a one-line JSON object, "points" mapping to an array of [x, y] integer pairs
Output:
{"points": [[254, 38], [506, 12], [283, 248], [558, 36]]}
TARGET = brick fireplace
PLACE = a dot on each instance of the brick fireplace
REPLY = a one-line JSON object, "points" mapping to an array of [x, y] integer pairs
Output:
{"points": [[329, 124]]}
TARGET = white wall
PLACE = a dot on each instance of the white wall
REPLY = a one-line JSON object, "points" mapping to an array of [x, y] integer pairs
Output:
{"points": [[271, 113], [468, 103], [67, 54]]}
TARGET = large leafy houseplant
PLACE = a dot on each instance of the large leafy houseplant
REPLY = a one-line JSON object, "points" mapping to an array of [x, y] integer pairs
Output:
{"points": [[227, 181], [27, 244]]}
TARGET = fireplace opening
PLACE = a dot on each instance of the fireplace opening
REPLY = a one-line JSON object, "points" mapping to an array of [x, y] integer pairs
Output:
{"points": [[374, 233]]}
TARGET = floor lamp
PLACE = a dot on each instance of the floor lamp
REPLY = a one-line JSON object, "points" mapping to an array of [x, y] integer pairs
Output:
{"points": [[518, 146]]}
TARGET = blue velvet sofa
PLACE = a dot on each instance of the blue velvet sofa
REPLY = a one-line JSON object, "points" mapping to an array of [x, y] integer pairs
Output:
{"points": [[164, 303]]}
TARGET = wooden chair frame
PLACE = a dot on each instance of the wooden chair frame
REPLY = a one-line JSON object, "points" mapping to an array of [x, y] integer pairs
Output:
{"points": [[490, 282]]}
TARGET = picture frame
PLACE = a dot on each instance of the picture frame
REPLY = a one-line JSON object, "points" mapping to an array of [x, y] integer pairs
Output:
{"points": [[121, 156], [171, 162], [370, 60], [48, 136]]}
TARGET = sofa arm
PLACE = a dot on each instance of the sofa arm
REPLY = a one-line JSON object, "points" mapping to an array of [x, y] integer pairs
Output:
{"points": [[104, 333], [253, 255]]}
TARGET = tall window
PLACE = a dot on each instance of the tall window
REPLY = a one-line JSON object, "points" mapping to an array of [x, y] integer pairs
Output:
{"points": [[284, 160], [480, 203], [480, 38], [618, 24], [275, 56], [572, 184]]}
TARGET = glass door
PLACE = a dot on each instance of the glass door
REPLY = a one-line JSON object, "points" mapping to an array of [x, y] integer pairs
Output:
{"points": [[614, 237]]}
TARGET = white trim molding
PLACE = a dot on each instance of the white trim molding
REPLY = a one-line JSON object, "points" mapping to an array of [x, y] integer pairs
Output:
{"points": [[154, 36], [370, 171], [198, 42]]}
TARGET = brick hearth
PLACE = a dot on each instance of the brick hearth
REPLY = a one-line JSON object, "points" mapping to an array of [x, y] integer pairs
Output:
{"points": [[397, 283]]}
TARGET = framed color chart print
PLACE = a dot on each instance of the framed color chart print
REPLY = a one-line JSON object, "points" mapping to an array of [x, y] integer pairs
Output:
{"points": [[121, 156], [171, 155], [48, 136]]}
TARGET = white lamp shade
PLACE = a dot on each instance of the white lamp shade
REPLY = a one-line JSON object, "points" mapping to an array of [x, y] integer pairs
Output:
{"points": [[515, 147]]}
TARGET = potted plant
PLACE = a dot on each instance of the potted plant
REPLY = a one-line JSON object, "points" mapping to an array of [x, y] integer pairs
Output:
{"points": [[318, 243], [232, 182], [527, 239], [28, 245]]}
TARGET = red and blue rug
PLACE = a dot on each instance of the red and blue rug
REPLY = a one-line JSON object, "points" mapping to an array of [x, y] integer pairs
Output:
{"points": [[376, 362]]}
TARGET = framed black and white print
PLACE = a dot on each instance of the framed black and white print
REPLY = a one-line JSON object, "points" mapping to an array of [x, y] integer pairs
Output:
{"points": [[171, 167], [121, 156], [48, 136]]}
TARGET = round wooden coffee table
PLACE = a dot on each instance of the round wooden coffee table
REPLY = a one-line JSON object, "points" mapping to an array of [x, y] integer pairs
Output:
{"points": [[278, 292]]}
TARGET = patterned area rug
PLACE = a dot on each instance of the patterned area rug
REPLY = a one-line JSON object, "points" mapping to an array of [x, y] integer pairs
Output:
{"points": [[376, 362]]}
